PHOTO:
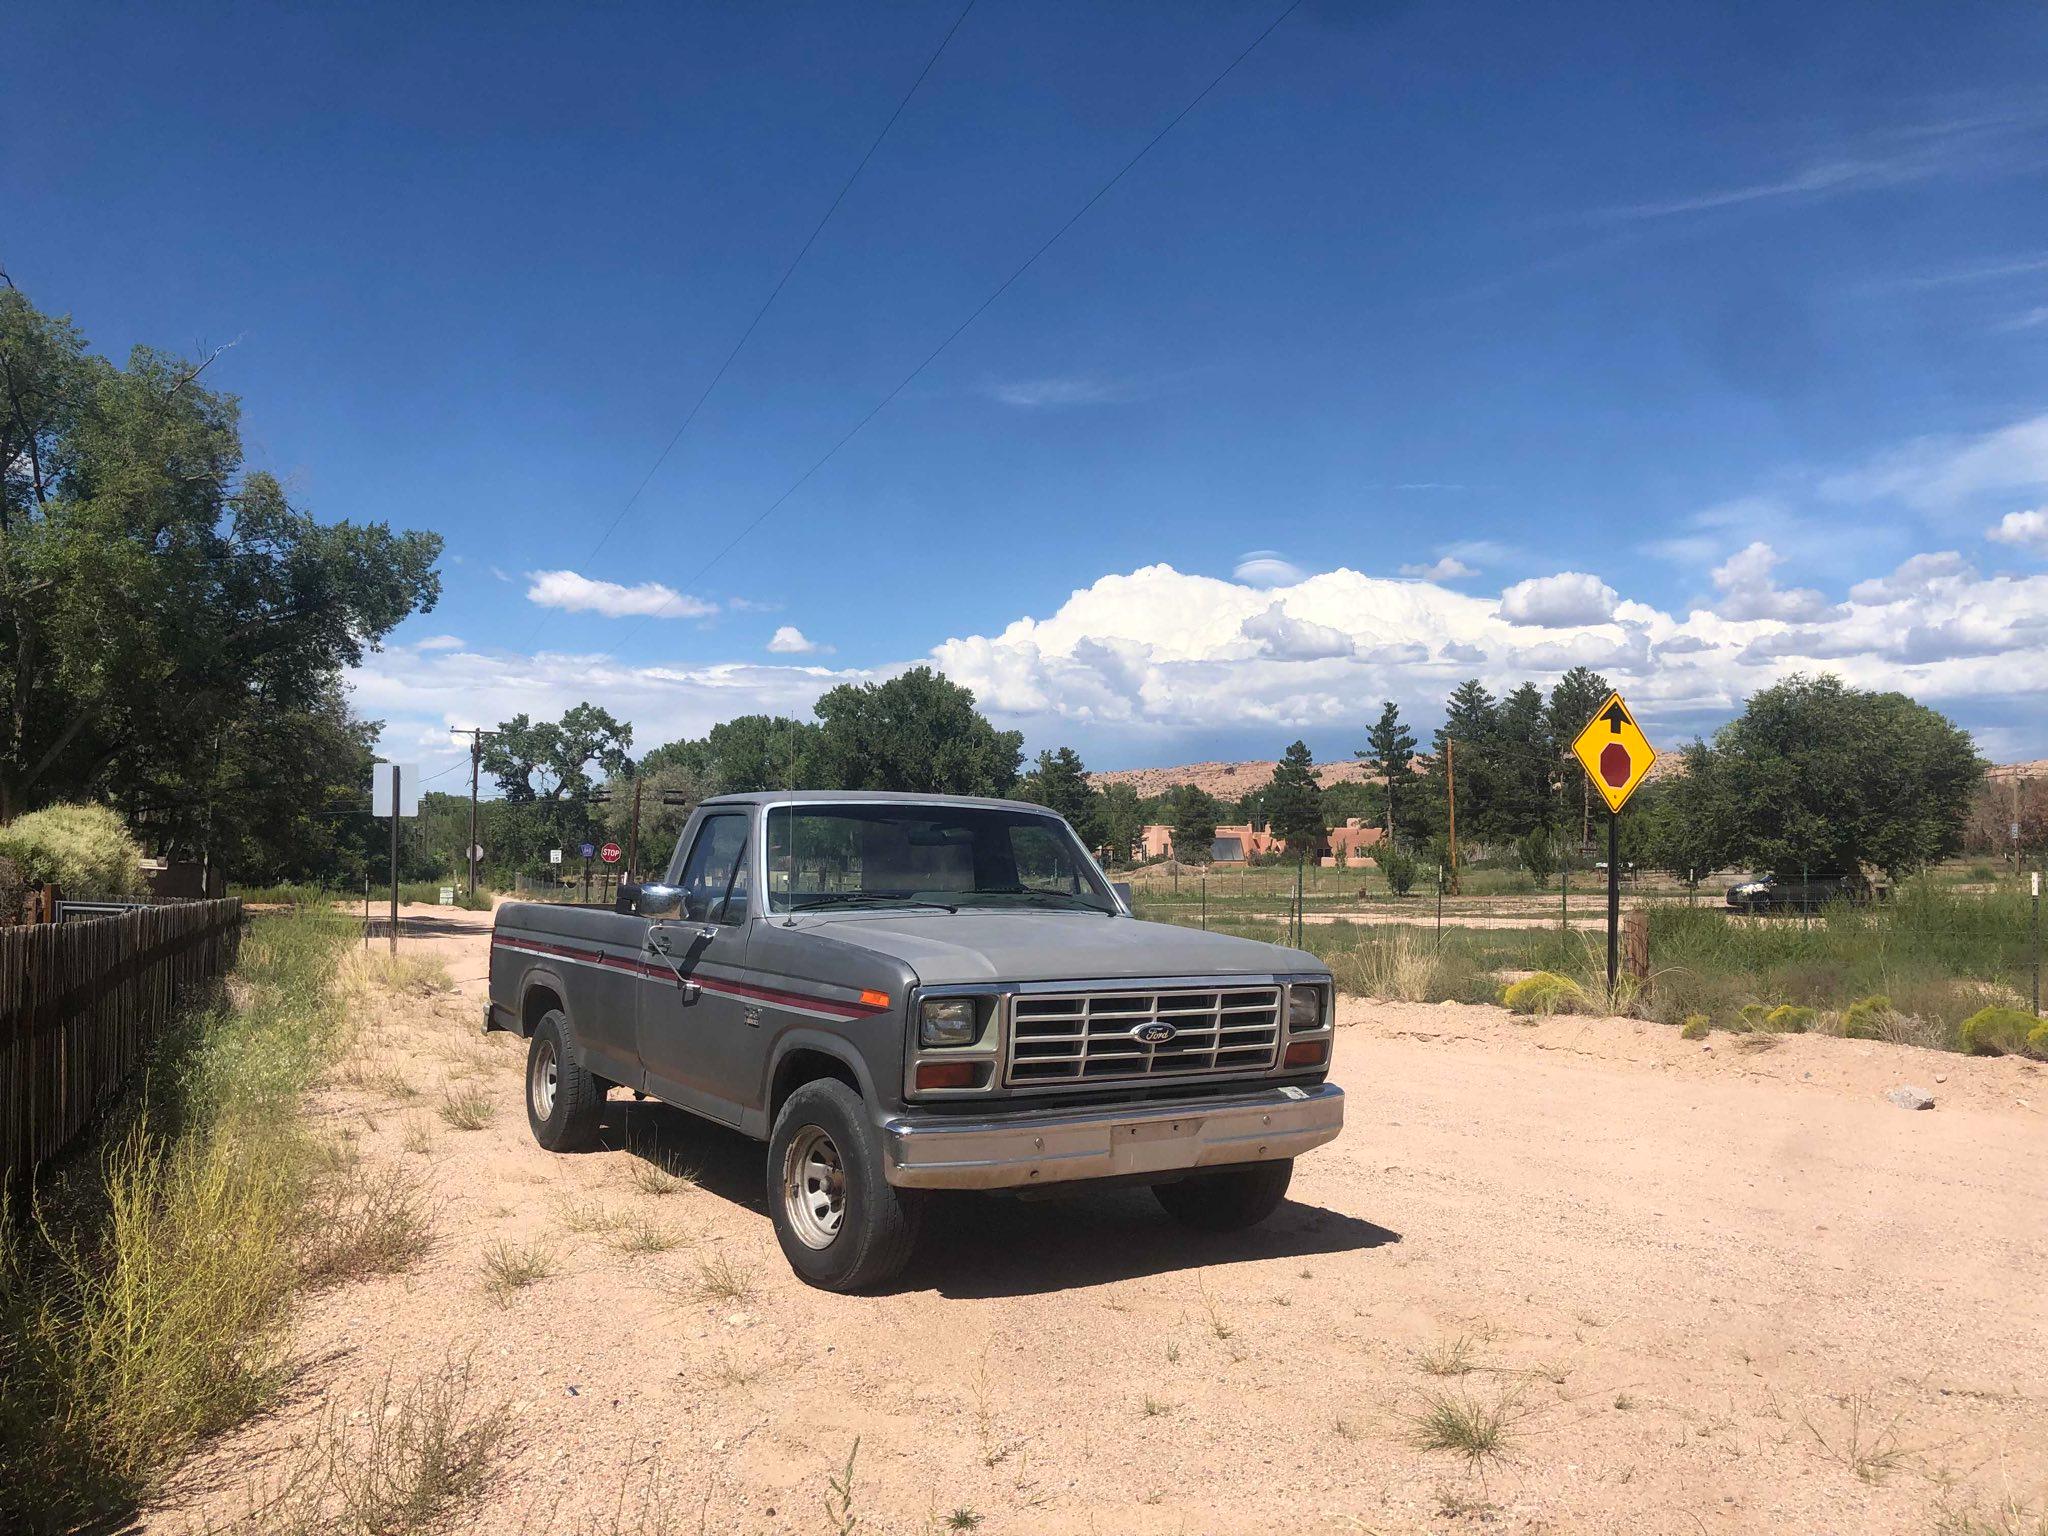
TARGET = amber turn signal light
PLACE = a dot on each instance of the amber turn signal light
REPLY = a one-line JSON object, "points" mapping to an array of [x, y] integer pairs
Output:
{"points": [[945, 1074], [1307, 1053], [873, 999]]}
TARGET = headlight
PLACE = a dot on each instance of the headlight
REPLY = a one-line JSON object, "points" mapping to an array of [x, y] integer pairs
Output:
{"points": [[946, 1021], [1305, 1007]]}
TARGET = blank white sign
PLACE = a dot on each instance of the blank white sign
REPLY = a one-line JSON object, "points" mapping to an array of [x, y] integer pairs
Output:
{"points": [[408, 789]]}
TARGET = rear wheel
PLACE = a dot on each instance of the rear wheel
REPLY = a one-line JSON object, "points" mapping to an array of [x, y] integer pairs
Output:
{"points": [[842, 1225], [563, 1100], [1227, 1202]]}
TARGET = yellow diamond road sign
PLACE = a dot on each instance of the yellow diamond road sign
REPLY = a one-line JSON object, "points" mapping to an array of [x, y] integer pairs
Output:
{"points": [[1616, 753]]}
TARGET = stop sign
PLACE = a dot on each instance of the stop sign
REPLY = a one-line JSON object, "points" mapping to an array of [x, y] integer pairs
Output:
{"points": [[609, 853]]}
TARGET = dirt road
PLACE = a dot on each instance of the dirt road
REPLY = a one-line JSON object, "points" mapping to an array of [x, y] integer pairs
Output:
{"points": [[1700, 1290]]}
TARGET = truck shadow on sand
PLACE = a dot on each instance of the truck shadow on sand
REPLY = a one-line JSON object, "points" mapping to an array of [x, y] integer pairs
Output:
{"points": [[984, 1246]]}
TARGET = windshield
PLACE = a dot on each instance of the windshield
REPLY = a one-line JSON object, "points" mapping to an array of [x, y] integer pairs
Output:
{"points": [[822, 857]]}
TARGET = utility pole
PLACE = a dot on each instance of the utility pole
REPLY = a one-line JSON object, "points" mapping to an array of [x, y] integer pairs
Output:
{"points": [[633, 839], [476, 735], [1451, 795]]}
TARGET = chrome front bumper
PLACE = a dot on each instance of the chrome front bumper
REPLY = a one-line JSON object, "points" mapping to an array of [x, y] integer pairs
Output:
{"points": [[1037, 1147]]}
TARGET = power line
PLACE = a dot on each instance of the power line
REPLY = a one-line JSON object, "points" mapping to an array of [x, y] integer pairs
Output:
{"points": [[974, 315], [776, 292]]}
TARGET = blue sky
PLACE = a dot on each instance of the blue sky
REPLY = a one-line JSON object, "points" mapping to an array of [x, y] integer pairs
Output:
{"points": [[1700, 344]]}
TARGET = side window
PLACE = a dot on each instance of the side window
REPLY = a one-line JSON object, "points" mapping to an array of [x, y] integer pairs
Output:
{"points": [[1044, 861], [715, 875]]}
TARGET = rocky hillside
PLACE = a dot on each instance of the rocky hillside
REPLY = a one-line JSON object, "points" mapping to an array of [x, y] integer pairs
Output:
{"points": [[1226, 781]]}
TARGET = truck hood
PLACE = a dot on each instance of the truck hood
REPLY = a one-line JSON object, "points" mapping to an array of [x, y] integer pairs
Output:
{"points": [[953, 948]]}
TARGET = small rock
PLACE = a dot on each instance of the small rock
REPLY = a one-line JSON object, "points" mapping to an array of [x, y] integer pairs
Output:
{"points": [[1911, 1098], [1941, 1077]]}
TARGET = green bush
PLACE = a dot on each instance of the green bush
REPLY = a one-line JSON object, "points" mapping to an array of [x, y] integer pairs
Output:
{"points": [[1996, 1031], [1697, 1026], [1544, 993], [1790, 1019], [2037, 1040], [1756, 1015], [1399, 869], [83, 849], [1864, 1018]]}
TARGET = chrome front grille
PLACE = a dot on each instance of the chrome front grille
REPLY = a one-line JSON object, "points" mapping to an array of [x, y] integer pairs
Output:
{"points": [[1075, 1037]]}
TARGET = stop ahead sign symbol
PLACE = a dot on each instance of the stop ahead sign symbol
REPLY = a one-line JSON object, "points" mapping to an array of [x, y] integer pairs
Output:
{"points": [[1616, 765]]}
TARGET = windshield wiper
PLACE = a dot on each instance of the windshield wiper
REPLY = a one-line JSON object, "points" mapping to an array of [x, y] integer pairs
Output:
{"points": [[1067, 899], [812, 903]]}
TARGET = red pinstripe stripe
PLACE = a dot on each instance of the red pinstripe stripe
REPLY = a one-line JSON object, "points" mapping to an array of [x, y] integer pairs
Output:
{"points": [[845, 1010]]}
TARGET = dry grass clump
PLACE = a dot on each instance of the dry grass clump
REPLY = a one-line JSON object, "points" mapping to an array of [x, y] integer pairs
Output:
{"points": [[397, 1463], [370, 971], [1397, 965], [366, 1226], [509, 1267], [467, 1109], [657, 1173], [587, 1216], [721, 1278], [1460, 1423], [1447, 1357], [643, 1234]]}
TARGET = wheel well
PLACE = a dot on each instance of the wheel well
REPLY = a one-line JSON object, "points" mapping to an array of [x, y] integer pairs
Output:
{"points": [[538, 1000], [806, 1066]]}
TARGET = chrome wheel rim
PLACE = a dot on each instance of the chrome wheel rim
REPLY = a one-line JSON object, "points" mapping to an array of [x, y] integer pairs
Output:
{"points": [[813, 1188], [540, 1081]]}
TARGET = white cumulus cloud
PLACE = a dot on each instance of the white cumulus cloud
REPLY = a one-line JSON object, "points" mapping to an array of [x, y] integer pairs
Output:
{"points": [[1568, 598], [788, 640], [1749, 591], [2028, 530], [583, 594], [1291, 639]]}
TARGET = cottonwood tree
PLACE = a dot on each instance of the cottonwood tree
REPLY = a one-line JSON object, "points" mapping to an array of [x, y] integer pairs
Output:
{"points": [[162, 608], [550, 760], [747, 754], [1817, 775], [918, 732]]}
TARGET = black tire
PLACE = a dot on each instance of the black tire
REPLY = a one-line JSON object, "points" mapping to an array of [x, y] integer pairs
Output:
{"points": [[1228, 1202], [565, 1118], [869, 1238]]}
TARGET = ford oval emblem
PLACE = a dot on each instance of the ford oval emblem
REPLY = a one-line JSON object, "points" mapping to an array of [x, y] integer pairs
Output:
{"points": [[1155, 1032]]}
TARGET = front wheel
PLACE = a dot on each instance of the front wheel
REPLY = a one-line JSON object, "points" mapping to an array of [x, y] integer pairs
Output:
{"points": [[841, 1224], [1227, 1202], [563, 1100]]}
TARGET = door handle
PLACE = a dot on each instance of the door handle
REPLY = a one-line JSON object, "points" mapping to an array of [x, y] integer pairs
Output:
{"points": [[691, 991], [657, 943]]}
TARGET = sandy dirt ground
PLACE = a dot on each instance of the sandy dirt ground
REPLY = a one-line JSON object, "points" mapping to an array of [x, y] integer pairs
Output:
{"points": [[1703, 1289]]}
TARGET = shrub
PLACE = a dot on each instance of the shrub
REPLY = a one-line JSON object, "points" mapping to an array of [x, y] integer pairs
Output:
{"points": [[2037, 1040], [1866, 1017], [1544, 993], [82, 848], [1755, 1015], [1399, 868], [1538, 854], [1697, 1026], [13, 888], [1997, 1031], [1790, 1019]]}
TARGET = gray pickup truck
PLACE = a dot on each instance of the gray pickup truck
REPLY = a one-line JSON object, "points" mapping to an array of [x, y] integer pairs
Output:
{"points": [[901, 993]]}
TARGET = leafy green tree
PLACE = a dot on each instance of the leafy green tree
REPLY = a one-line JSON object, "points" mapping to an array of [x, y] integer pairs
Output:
{"points": [[1538, 852], [918, 732], [1059, 781], [1294, 802], [1399, 868], [1572, 701], [1123, 821], [661, 822], [1192, 813], [551, 759], [747, 754], [1390, 748], [1817, 775], [158, 603]]}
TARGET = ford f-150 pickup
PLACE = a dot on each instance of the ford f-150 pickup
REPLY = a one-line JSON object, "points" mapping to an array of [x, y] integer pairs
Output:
{"points": [[901, 993]]}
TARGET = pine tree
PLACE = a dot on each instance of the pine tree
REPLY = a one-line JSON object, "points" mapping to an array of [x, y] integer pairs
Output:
{"points": [[1390, 747], [1294, 802], [1572, 702], [1060, 783]]}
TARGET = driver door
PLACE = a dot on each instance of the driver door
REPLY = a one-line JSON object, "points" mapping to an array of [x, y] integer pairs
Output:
{"points": [[693, 1031]]}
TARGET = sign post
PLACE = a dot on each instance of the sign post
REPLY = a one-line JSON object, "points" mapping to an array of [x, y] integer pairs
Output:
{"points": [[1617, 758], [388, 792]]}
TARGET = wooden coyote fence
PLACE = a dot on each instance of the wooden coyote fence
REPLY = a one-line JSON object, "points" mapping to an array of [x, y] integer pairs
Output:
{"points": [[81, 1001]]}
